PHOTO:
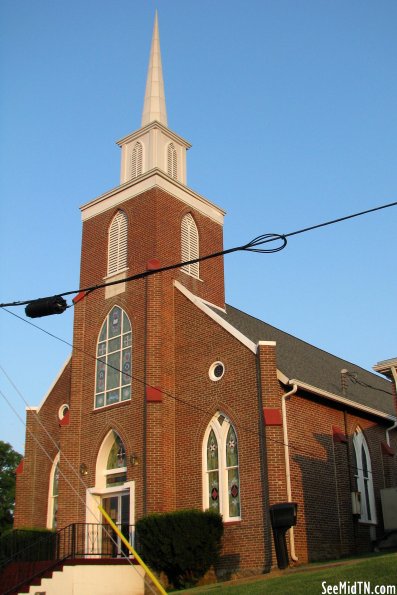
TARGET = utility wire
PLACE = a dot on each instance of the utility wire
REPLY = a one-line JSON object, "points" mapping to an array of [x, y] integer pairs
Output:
{"points": [[251, 246], [171, 396]]}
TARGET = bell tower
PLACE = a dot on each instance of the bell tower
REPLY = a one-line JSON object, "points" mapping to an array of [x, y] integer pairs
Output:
{"points": [[153, 214]]}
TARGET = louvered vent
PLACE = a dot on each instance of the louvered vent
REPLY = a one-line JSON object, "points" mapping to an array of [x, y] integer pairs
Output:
{"points": [[172, 169], [136, 161], [190, 245], [117, 255]]}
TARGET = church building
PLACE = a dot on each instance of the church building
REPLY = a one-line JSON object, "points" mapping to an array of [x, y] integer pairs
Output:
{"points": [[172, 399]]}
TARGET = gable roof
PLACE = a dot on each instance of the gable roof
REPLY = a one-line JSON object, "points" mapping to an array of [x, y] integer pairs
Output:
{"points": [[313, 366]]}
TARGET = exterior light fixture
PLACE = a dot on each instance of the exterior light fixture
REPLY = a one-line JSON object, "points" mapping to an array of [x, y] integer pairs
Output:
{"points": [[83, 469], [134, 459]]}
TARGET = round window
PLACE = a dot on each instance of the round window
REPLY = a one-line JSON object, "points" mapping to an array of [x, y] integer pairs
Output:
{"points": [[63, 410], [216, 371]]}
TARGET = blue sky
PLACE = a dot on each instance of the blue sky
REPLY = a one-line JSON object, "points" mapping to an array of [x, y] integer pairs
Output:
{"points": [[290, 106]]}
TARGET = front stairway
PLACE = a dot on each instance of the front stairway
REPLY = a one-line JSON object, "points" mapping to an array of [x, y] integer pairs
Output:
{"points": [[83, 559], [90, 577]]}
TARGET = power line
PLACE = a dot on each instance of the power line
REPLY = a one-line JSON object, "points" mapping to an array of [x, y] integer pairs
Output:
{"points": [[251, 246], [171, 396]]}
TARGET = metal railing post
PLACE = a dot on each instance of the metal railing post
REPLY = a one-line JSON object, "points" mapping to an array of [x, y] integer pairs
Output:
{"points": [[73, 548]]}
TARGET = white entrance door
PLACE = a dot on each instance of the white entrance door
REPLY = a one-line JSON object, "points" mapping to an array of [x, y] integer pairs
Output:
{"points": [[117, 506]]}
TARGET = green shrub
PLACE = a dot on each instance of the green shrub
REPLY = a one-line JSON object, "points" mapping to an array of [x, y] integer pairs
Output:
{"points": [[28, 545], [183, 544]]}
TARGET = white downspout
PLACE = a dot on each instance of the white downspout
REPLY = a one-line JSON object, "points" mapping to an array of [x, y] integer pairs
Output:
{"points": [[394, 426], [287, 467]]}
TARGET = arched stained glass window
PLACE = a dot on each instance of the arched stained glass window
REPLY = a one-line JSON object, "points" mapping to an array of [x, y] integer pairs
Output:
{"points": [[116, 467], [189, 245], [220, 461], [213, 471], [114, 363], [172, 164], [117, 246], [232, 473], [364, 477]]}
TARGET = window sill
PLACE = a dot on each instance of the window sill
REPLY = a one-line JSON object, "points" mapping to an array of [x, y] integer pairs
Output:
{"points": [[112, 275], [192, 276], [107, 407], [231, 523], [369, 523]]}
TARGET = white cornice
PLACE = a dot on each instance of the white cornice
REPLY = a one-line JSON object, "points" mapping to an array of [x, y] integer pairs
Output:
{"points": [[153, 178], [337, 398], [385, 367], [218, 319], [153, 125]]}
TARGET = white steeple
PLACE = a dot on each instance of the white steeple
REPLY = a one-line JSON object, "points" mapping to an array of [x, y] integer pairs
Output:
{"points": [[154, 145], [154, 103]]}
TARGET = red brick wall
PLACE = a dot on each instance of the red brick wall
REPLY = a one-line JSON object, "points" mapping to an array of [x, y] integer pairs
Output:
{"points": [[154, 220], [42, 438], [174, 344], [199, 343], [322, 474]]}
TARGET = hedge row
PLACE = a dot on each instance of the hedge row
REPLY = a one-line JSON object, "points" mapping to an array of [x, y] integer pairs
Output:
{"points": [[182, 544]]}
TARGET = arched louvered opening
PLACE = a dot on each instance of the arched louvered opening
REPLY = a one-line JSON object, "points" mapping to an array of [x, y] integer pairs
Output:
{"points": [[117, 251], [172, 165], [190, 245], [136, 163]]}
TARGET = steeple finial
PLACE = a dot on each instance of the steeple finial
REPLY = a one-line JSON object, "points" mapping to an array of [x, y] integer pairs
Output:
{"points": [[154, 104]]}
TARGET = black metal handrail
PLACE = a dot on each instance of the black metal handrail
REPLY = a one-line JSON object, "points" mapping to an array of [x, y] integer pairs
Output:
{"points": [[20, 565]]}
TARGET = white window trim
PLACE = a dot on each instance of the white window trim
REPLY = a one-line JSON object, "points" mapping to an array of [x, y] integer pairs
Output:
{"points": [[50, 500], [359, 441], [220, 432]]}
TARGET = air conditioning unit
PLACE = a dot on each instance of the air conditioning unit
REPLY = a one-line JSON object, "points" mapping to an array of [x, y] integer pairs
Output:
{"points": [[389, 508], [356, 502]]}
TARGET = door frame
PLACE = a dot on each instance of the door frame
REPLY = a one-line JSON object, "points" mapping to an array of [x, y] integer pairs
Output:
{"points": [[93, 515]]}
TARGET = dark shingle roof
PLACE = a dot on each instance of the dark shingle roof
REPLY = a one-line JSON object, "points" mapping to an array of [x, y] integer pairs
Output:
{"points": [[311, 365]]}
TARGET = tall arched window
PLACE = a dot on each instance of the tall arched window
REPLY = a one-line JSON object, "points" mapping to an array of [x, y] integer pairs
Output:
{"points": [[136, 160], [52, 510], [117, 249], [364, 477], [172, 164], [114, 363], [190, 245], [221, 468]]}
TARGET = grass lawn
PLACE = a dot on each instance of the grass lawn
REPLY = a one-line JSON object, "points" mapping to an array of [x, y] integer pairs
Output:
{"points": [[379, 570]]}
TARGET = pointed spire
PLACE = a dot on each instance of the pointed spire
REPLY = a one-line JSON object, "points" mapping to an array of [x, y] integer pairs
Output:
{"points": [[154, 104]]}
